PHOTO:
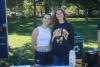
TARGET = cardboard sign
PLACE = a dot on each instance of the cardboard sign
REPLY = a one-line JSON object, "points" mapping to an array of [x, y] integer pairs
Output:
{"points": [[3, 31]]}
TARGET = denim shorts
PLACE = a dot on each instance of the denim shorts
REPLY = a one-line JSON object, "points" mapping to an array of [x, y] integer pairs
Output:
{"points": [[43, 58]]}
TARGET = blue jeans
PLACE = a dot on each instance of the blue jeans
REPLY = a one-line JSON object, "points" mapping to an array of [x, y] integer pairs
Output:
{"points": [[61, 60]]}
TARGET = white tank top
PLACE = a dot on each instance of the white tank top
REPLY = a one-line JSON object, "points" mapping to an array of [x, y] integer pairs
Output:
{"points": [[44, 36]]}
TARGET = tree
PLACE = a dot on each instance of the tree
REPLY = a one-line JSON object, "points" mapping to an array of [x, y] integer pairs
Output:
{"points": [[12, 3], [47, 6], [28, 7]]}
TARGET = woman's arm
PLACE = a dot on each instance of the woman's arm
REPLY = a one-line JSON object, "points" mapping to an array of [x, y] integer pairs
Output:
{"points": [[34, 37], [98, 33], [98, 38]]}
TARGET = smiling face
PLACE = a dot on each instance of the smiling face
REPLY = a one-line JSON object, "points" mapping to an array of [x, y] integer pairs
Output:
{"points": [[59, 15], [46, 19]]}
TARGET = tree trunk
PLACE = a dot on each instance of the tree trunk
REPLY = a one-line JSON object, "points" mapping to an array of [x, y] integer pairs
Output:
{"points": [[34, 22], [86, 15], [46, 7], [59, 3], [77, 9]]}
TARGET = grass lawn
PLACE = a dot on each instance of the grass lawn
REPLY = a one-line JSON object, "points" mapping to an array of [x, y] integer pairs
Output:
{"points": [[20, 32], [19, 36], [18, 40], [87, 30]]}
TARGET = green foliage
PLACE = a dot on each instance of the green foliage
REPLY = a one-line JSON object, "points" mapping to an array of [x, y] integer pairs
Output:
{"points": [[71, 10], [19, 56], [28, 7]]}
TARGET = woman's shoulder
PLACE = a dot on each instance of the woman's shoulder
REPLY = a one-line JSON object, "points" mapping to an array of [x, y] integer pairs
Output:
{"points": [[67, 23], [36, 29]]}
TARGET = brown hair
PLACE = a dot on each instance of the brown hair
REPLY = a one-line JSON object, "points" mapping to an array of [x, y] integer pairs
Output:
{"points": [[54, 18], [46, 14]]}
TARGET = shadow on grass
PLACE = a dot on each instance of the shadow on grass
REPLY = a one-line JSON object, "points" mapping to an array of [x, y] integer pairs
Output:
{"points": [[87, 30], [24, 27], [19, 56]]}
